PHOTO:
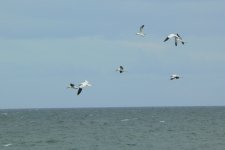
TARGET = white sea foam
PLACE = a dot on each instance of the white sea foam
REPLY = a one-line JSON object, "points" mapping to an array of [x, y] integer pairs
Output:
{"points": [[129, 119], [6, 145], [5, 114], [125, 120]]}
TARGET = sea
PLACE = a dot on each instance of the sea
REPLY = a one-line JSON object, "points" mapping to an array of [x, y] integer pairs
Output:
{"points": [[147, 128]]}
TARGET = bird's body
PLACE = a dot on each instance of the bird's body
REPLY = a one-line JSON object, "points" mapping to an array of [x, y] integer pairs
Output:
{"points": [[176, 37], [174, 76], [120, 69], [141, 31], [80, 86]]}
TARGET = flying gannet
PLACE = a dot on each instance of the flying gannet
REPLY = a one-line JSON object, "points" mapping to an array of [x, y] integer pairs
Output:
{"points": [[141, 31], [80, 86], [120, 69], [174, 76], [177, 38]]}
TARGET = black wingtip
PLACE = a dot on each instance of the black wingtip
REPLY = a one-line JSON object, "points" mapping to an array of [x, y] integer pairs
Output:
{"points": [[175, 43], [166, 39], [79, 91]]}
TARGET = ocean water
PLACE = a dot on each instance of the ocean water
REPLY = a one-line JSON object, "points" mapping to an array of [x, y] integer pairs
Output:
{"points": [[156, 128]]}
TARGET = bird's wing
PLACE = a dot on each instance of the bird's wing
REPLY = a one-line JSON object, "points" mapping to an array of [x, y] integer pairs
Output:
{"points": [[79, 91], [176, 41], [121, 67], [178, 35], [180, 38], [141, 29], [167, 38], [72, 85]]}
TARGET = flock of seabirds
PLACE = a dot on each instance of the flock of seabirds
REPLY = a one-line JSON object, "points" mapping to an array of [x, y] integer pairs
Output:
{"points": [[177, 38]]}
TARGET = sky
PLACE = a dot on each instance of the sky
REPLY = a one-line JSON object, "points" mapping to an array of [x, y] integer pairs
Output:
{"points": [[47, 44]]}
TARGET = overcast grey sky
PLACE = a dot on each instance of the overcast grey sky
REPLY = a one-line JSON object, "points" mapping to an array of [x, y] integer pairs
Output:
{"points": [[46, 44]]}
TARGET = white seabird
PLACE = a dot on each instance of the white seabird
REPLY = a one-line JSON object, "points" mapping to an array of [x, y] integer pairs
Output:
{"points": [[141, 31], [80, 86], [177, 38], [120, 69], [174, 76]]}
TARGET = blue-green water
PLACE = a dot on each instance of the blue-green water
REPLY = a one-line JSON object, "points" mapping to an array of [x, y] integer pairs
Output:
{"points": [[165, 128]]}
